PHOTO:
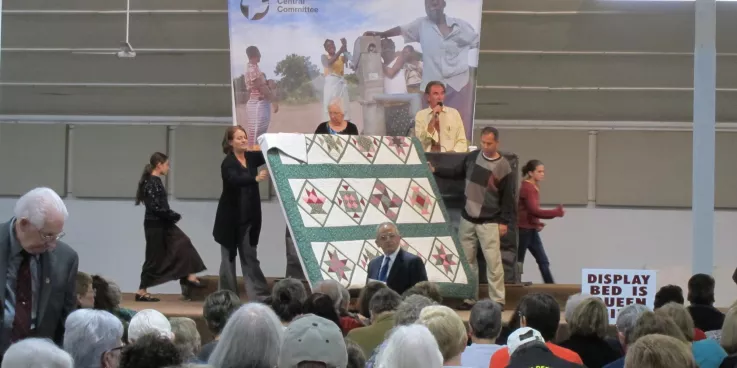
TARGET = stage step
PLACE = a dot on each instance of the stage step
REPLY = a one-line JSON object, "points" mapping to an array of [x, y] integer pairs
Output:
{"points": [[514, 292]]}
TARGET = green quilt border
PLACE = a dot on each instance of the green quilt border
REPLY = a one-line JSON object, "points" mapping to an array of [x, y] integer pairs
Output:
{"points": [[300, 233]]}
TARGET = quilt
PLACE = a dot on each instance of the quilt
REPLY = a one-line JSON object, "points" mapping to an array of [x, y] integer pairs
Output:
{"points": [[349, 185]]}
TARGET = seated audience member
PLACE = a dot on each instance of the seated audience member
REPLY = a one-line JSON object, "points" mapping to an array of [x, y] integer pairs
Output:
{"points": [[626, 320], [107, 298], [348, 320], [512, 325], [449, 332], [571, 304], [186, 337], [85, 292], [251, 338], [334, 290], [668, 294], [287, 297], [323, 306], [527, 348], [412, 346], [659, 351], [588, 327], [407, 314], [93, 338], [485, 325], [383, 305], [427, 289], [650, 323], [542, 313], [728, 339], [150, 351], [701, 296], [708, 353], [364, 298], [217, 309], [149, 321], [400, 270], [356, 357], [36, 353], [315, 340]]}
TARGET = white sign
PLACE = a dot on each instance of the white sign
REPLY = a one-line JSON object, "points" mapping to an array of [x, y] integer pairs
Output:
{"points": [[619, 288]]}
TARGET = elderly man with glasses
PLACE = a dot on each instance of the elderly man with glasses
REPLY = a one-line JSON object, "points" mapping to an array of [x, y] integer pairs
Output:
{"points": [[398, 269], [37, 270], [93, 338]]}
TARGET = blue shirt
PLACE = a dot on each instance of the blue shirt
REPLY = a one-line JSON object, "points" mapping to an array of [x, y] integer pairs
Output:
{"points": [[708, 353], [15, 258], [619, 363], [479, 355]]}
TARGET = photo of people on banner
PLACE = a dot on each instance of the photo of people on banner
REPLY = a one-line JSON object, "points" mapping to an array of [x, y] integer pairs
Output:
{"points": [[332, 66]]}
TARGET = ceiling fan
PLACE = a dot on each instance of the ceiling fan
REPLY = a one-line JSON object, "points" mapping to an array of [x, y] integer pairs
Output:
{"points": [[125, 51]]}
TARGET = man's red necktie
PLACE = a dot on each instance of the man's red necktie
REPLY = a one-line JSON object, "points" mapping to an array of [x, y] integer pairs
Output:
{"points": [[23, 300]]}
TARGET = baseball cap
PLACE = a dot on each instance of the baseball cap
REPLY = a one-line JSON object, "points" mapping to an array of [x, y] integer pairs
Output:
{"points": [[313, 339], [523, 336]]}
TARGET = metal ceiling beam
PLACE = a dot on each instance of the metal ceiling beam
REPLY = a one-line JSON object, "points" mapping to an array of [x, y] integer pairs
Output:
{"points": [[90, 119], [111, 50], [112, 12], [116, 85]]}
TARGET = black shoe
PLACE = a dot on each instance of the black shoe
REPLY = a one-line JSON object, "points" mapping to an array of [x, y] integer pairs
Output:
{"points": [[192, 284], [146, 298]]}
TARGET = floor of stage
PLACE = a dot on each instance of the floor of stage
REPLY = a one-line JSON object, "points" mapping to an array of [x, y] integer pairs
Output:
{"points": [[171, 306]]}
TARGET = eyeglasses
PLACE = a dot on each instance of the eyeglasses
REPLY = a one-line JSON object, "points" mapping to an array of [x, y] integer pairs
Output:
{"points": [[51, 237], [387, 236]]}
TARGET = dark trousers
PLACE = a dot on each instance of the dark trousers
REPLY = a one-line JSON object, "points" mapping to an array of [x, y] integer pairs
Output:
{"points": [[294, 268], [253, 277], [529, 239]]}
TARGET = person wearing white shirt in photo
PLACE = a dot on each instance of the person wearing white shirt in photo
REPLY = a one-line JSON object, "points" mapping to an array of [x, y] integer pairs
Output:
{"points": [[445, 42], [396, 113]]}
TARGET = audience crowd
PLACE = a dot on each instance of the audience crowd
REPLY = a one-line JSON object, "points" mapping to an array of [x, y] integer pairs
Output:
{"points": [[294, 328]]}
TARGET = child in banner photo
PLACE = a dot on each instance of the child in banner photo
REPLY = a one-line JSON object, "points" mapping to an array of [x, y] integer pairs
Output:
{"points": [[258, 107], [334, 64]]}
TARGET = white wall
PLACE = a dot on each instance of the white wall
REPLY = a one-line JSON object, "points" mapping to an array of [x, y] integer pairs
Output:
{"points": [[109, 238]]}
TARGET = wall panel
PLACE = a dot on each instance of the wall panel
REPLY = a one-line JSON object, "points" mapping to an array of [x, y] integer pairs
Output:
{"points": [[33, 155], [197, 158], [725, 187], [644, 169], [107, 160], [565, 155]]}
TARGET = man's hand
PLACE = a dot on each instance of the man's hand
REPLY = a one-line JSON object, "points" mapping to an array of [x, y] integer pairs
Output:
{"points": [[502, 230], [432, 168], [562, 211], [276, 107], [262, 175]]}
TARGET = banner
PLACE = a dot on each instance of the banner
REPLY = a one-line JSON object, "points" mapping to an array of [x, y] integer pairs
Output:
{"points": [[370, 60], [620, 288]]}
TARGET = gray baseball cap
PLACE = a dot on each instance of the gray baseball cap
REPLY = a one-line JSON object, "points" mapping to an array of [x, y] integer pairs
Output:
{"points": [[313, 339]]}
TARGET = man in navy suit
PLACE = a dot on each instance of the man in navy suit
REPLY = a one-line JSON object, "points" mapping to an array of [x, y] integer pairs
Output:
{"points": [[400, 270]]}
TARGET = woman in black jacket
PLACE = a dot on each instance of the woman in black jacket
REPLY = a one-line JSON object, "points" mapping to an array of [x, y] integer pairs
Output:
{"points": [[238, 219], [170, 254]]}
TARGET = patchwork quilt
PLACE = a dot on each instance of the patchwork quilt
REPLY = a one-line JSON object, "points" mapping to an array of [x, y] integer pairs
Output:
{"points": [[349, 185]]}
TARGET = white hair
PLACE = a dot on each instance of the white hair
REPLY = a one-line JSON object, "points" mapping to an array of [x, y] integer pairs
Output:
{"points": [[252, 337], [333, 289], [412, 346], [36, 353], [149, 321], [336, 101], [89, 333], [573, 302], [186, 337], [386, 224], [38, 204]]}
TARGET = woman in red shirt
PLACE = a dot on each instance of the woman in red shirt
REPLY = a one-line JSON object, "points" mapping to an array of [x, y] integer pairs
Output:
{"points": [[529, 214]]}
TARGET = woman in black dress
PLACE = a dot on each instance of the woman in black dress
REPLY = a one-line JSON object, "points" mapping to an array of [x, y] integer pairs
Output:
{"points": [[170, 254], [238, 219], [337, 124]]}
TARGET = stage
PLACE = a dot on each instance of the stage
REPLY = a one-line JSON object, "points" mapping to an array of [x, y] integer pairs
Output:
{"points": [[172, 305]]}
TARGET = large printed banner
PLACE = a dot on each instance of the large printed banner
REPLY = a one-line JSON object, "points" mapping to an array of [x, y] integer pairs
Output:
{"points": [[291, 59]]}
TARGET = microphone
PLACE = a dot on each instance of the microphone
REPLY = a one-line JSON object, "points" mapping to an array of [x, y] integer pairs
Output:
{"points": [[441, 106]]}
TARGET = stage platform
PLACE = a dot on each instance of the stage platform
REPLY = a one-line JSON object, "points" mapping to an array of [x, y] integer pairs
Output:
{"points": [[172, 306]]}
